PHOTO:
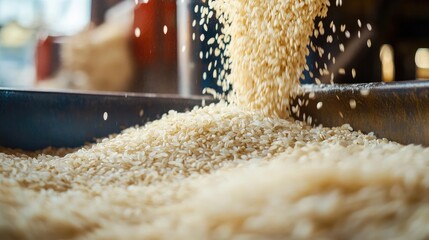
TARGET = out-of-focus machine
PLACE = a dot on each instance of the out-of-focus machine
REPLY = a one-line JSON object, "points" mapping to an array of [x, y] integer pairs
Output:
{"points": [[165, 59]]}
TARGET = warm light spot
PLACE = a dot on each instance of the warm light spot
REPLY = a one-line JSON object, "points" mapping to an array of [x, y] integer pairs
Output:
{"points": [[422, 63], [137, 32], [387, 63], [422, 58]]}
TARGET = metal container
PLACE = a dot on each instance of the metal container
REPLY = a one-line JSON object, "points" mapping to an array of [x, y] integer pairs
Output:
{"points": [[33, 120], [397, 111]]}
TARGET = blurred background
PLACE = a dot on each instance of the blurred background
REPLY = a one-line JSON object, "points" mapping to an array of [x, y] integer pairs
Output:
{"points": [[154, 45], [393, 47], [22, 22]]}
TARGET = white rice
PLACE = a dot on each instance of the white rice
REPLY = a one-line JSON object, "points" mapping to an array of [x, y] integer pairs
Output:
{"points": [[227, 171]]}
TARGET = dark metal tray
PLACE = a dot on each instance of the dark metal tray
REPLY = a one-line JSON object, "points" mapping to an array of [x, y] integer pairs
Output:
{"points": [[397, 111], [33, 120]]}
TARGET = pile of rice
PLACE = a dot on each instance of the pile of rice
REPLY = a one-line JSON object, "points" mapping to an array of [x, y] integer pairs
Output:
{"points": [[227, 171]]}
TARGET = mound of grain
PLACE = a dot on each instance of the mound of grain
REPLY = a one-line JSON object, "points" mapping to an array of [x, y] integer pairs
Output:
{"points": [[177, 146], [319, 191]]}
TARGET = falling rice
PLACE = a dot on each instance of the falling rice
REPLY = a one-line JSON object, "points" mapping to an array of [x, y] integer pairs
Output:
{"points": [[267, 45]]}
